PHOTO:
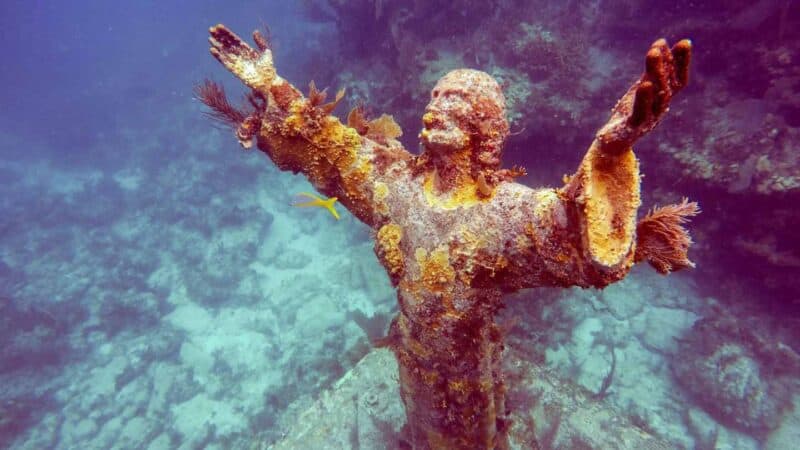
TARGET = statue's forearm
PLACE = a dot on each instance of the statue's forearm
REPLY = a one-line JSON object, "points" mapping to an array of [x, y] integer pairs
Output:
{"points": [[303, 138], [602, 200]]}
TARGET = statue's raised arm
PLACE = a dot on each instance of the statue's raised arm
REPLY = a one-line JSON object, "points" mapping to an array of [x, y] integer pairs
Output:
{"points": [[298, 133], [591, 230]]}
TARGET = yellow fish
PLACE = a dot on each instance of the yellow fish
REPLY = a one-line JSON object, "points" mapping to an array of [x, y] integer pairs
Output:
{"points": [[317, 201]]}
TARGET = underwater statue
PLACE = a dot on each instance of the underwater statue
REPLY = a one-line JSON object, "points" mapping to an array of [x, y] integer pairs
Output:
{"points": [[452, 228]]}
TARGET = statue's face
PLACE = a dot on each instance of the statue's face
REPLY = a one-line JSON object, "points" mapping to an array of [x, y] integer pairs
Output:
{"points": [[444, 122], [465, 105]]}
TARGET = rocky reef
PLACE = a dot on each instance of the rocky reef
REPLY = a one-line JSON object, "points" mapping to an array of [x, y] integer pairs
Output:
{"points": [[743, 378]]}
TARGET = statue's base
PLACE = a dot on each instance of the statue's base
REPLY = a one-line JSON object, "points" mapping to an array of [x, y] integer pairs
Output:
{"points": [[363, 410]]}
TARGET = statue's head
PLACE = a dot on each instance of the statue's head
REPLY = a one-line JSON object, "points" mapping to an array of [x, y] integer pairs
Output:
{"points": [[465, 117]]}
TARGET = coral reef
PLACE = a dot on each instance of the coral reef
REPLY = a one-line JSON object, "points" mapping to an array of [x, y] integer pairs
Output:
{"points": [[453, 229], [742, 378], [748, 147]]}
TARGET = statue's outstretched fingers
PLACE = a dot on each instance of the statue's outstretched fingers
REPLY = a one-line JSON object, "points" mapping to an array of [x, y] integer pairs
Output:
{"points": [[228, 48], [668, 71], [261, 42], [682, 55], [658, 67], [646, 102], [254, 67], [658, 62], [642, 104]]}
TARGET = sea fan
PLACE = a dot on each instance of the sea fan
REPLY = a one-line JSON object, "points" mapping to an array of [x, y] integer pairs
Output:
{"points": [[661, 238], [213, 95]]}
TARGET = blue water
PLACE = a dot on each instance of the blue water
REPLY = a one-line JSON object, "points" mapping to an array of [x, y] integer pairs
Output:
{"points": [[158, 290]]}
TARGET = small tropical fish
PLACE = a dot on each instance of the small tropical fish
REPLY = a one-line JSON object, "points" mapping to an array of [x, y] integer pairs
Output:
{"points": [[317, 201]]}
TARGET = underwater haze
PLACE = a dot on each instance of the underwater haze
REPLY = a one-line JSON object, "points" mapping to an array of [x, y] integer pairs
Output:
{"points": [[160, 289]]}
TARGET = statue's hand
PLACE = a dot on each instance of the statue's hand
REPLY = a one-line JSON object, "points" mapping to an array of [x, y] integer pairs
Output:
{"points": [[230, 49], [667, 73], [253, 67], [640, 109]]}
